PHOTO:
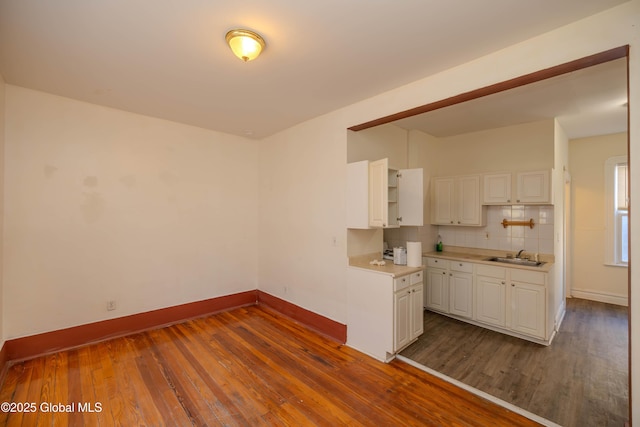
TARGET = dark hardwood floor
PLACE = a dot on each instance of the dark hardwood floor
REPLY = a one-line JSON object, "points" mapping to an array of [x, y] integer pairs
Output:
{"points": [[248, 367], [580, 380]]}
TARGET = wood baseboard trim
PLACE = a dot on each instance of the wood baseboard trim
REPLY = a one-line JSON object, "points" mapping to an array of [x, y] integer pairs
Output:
{"points": [[318, 323], [48, 342], [4, 362]]}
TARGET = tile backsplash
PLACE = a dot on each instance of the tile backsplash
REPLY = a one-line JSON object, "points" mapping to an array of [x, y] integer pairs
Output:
{"points": [[492, 236]]}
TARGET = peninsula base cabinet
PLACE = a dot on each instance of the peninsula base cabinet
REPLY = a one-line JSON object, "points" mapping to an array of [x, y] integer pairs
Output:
{"points": [[514, 301], [384, 313], [408, 310]]}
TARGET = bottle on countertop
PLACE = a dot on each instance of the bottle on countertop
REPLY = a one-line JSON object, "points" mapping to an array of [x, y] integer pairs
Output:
{"points": [[439, 246]]}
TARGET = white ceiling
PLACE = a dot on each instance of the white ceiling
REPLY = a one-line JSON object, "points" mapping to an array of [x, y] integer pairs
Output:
{"points": [[168, 59], [588, 102]]}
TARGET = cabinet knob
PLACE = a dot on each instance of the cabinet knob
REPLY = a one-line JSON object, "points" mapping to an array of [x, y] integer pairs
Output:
{"points": [[451, 222], [444, 272], [502, 282], [518, 200], [513, 285], [451, 274], [509, 200], [458, 222]]}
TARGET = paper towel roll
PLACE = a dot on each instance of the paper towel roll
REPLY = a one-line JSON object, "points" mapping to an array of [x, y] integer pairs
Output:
{"points": [[414, 254]]}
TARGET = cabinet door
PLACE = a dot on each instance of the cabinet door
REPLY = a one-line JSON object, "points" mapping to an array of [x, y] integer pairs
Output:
{"points": [[402, 310], [533, 187], [469, 208], [437, 290], [411, 197], [528, 309], [358, 195], [378, 193], [461, 294], [497, 189], [490, 300], [417, 311], [443, 207]]}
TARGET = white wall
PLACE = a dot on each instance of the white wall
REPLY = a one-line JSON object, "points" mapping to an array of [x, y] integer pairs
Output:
{"points": [[385, 141], [522, 147], [321, 180], [106, 205], [302, 240], [590, 275]]}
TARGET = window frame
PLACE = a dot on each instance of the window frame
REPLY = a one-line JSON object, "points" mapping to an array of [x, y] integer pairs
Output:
{"points": [[613, 216]]}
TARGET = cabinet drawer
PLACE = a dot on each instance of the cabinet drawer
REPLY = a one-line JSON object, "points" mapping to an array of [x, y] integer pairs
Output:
{"points": [[416, 277], [465, 267], [491, 271], [527, 276], [437, 263], [400, 283]]}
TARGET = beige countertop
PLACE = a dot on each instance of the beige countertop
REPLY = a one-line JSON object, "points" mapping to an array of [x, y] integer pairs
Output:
{"points": [[481, 258], [390, 269], [452, 253]]}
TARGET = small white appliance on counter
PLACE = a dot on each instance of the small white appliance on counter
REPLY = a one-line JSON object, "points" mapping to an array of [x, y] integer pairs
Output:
{"points": [[400, 256], [414, 254]]}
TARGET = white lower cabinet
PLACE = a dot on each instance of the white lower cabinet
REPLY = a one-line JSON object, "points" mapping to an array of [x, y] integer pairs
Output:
{"points": [[450, 287], [461, 289], [510, 300], [407, 306], [437, 297], [528, 303], [384, 313], [491, 295]]}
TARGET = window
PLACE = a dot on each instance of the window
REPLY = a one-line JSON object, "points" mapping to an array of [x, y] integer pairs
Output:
{"points": [[617, 211]]}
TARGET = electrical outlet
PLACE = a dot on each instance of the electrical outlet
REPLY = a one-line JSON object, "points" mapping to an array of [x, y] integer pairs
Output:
{"points": [[111, 305]]}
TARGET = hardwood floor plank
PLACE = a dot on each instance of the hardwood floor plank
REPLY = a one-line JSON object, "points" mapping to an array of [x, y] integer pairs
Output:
{"points": [[18, 393], [246, 367], [183, 379], [140, 404], [271, 376]]}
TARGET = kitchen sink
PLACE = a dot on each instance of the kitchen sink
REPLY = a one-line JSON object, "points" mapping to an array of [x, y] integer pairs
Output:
{"points": [[516, 261]]}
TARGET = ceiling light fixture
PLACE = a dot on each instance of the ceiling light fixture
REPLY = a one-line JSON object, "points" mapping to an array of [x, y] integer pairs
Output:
{"points": [[245, 44]]}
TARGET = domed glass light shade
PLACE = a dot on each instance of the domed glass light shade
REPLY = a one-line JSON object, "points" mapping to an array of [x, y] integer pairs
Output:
{"points": [[245, 44]]}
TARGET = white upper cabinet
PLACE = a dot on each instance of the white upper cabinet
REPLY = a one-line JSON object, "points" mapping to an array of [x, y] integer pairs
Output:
{"points": [[411, 197], [358, 195], [379, 194], [379, 197], [531, 188], [456, 201], [534, 187], [497, 189]]}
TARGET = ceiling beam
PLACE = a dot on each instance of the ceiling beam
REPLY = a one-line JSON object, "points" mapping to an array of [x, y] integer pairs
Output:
{"points": [[568, 67]]}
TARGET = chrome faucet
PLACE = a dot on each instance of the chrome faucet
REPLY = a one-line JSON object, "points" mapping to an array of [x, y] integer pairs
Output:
{"points": [[519, 252]]}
